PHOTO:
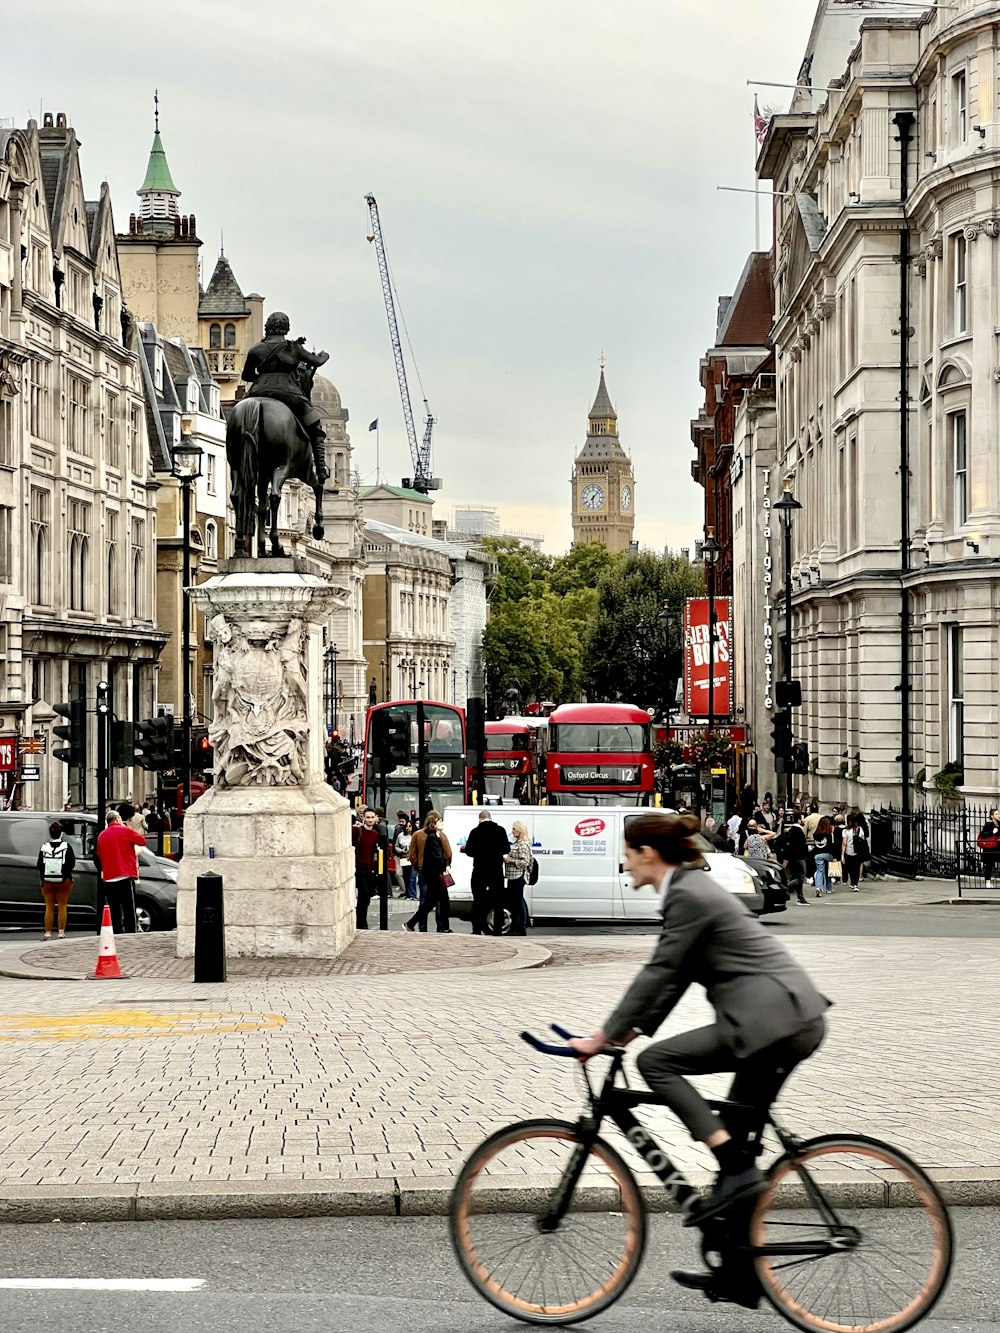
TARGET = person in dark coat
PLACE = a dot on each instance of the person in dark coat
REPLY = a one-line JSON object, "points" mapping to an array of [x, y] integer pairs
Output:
{"points": [[793, 852], [769, 1016], [487, 844]]}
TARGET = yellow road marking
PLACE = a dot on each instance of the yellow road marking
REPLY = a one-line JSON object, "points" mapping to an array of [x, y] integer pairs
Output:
{"points": [[123, 1024]]}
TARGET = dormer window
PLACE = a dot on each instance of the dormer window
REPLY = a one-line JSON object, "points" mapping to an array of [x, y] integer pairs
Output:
{"points": [[230, 335], [158, 369], [215, 337]]}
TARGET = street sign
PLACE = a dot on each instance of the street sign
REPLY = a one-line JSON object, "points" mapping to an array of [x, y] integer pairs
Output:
{"points": [[30, 774], [8, 753]]}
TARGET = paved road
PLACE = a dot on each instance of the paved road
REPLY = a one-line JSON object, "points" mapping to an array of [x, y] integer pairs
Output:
{"points": [[374, 1276]]}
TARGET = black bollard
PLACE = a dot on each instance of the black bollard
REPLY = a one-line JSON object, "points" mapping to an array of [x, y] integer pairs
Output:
{"points": [[209, 929]]}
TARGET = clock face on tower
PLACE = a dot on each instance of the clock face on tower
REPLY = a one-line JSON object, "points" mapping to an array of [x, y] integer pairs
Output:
{"points": [[593, 497], [626, 497]]}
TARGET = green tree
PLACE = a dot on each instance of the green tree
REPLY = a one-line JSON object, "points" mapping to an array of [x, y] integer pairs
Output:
{"points": [[534, 646], [521, 571], [581, 568], [633, 651]]}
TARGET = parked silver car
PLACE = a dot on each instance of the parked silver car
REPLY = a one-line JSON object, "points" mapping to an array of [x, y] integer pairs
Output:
{"points": [[22, 833]]}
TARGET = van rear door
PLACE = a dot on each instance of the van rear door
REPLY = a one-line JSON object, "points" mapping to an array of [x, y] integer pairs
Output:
{"points": [[576, 866], [633, 904]]}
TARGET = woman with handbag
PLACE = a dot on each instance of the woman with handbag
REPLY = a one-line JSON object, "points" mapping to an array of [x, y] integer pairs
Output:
{"points": [[433, 850], [517, 867], [988, 843], [822, 848]]}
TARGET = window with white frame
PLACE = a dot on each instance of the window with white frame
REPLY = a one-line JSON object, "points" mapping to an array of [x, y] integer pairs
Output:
{"points": [[112, 431], [138, 569], [211, 541], [958, 430], [960, 106], [39, 571], [956, 695], [136, 459], [111, 562], [211, 473], [6, 548], [960, 273], [79, 554], [38, 398], [79, 416]]}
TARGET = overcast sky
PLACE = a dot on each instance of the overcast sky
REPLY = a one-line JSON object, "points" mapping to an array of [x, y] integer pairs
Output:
{"points": [[546, 173]]}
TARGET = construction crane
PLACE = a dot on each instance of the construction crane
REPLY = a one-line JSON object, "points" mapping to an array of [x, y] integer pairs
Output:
{"points": [[422, 480]]}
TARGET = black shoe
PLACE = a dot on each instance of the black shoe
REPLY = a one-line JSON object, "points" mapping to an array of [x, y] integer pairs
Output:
{"points": [[803, 901], [728, 1189], [693, 1281], [447, 931], [408, 925]]}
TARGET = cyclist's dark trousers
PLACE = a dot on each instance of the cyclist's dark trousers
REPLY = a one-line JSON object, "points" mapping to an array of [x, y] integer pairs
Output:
{"points": [[757, 1081]]}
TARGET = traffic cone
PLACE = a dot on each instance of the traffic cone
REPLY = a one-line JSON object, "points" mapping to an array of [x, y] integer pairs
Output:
{"points": [[108, 967]]}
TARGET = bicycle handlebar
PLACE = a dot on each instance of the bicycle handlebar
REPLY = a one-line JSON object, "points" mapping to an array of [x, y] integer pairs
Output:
{"points": [[547, 1048]]}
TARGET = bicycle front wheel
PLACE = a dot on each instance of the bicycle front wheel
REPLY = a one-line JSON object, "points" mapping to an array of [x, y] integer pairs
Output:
{"points": [[850, 1235], [503, 1230]]}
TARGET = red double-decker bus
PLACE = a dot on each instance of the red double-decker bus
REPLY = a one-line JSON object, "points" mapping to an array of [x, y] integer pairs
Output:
{"points": [[513, 764], [599, 754], [444, 750]]}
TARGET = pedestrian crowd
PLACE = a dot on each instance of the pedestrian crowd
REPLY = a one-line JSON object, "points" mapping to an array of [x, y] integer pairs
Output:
{"points": [[814, 849], [418, 861]]}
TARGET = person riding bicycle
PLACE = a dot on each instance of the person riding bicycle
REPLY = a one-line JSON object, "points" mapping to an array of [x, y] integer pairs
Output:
{"points": [[769, 1015]]}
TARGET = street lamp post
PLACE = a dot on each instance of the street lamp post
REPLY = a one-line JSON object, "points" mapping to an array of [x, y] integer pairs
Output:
{"points": [[332, 654], [710, 554], [788, 505], [382, 666], [187, 468]]}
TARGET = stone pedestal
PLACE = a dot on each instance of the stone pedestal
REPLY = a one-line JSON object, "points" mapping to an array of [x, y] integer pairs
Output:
{"points": [[278, 835]]}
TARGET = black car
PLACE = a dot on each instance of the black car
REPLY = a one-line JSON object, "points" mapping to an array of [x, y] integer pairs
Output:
{"points": [[771, 879], [22, 833]]}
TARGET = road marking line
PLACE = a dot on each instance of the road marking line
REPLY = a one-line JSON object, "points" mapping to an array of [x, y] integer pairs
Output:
{"points": [[102, 1283]]}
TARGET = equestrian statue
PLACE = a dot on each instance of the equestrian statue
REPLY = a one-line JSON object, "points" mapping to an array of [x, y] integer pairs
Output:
{"points": [[275, 435]]}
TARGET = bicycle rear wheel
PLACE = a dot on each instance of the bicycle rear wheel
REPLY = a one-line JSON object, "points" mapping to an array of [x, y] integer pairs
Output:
{"points": [[505, 1190], [849, 1235]]}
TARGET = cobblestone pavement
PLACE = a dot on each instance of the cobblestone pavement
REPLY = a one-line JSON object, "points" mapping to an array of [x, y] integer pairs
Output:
{"points": [[363, 1077], [153, 956]]}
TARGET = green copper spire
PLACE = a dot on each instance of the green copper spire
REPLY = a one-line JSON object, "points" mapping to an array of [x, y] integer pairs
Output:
{"points": [[158, 179]]}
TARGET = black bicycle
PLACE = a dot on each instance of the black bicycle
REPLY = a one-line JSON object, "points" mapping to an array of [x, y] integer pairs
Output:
{"points": [[549, 1221]]}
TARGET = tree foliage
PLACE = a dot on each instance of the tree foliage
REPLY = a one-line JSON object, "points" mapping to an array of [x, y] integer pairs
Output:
{"points": [[585, 622]]}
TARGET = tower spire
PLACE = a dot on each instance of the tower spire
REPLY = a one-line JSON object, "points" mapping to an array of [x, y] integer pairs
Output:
{"points": [[158, 192]]}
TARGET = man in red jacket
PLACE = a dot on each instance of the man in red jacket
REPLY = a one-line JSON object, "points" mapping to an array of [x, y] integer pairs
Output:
{"points": [[119, 869]]}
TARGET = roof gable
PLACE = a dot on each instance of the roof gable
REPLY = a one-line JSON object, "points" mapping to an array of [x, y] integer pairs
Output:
{"points": [[223, 295]]}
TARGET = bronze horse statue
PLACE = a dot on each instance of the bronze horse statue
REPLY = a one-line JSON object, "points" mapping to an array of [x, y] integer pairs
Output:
{"points": [[265, 447]]}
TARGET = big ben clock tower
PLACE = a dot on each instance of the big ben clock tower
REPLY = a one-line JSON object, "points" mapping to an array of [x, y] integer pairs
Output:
{"points": [[603, 485]]}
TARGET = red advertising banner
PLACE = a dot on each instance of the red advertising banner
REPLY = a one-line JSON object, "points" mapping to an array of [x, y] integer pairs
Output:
{"points": [[696, 654], [8, 753]]}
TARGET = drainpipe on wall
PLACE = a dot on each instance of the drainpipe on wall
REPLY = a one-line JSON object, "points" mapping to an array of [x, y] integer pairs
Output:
{"points": [[903, 120]]}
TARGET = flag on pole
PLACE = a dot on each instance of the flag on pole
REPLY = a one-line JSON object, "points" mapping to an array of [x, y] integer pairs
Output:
{"points": [[759, 123], [374, 425]]}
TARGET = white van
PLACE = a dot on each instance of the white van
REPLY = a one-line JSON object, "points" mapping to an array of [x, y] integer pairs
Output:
{"points": [[581, 874]]}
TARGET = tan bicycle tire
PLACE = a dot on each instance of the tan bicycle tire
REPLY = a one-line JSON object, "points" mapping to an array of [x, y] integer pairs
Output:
{"points": [[633, 1209], [922, 1194]]}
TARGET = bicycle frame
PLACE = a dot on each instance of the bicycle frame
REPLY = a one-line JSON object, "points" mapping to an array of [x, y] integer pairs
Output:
{"points": [[615, 1102]]}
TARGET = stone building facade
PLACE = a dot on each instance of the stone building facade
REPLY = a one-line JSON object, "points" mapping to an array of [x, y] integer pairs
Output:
{"points": [[77, 508], [886, 276]]}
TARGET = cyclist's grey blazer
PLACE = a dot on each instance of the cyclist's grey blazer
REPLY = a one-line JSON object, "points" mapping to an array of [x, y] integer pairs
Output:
{"points": [[709, 938]]}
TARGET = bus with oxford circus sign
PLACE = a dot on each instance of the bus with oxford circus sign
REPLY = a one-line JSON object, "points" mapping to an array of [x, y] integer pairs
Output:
{"points": [[600, 754]]}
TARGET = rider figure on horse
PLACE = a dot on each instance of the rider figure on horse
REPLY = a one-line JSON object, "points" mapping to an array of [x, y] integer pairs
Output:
{"points": [[272, 369]]}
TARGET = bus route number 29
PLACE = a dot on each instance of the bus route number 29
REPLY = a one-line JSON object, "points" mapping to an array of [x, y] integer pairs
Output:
{"points": [[439, 770]]}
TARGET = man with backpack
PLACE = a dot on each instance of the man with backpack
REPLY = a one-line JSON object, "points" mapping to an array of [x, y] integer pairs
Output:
{"points": [[55, 868]]}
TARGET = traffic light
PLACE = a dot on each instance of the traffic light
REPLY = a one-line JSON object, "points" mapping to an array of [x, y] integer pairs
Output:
{"points": [[398, 739], [75, 733], [202, 751], [800, 757], [781, 741], [122, 744], [154, 742]]}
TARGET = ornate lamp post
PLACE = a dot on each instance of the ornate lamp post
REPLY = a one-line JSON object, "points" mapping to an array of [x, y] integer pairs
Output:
{"points": [[187, 468]]}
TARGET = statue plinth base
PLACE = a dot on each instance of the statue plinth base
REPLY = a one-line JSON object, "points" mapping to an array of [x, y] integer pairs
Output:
{"points": [[271, 827], [287, 865]]}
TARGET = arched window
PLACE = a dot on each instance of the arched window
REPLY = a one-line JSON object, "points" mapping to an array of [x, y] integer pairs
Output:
{"points": [[215, 336], [230, 335], [112, 583], [137, 584], [211, 541], [38, 579]]}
